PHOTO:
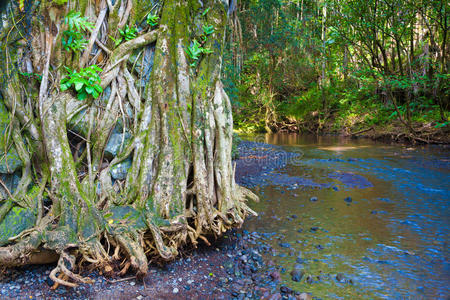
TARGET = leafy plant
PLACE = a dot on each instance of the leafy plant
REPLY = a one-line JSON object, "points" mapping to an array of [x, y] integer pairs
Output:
{"points": [[127, 34], [75, 21], [152, 19], [206, 11], [208, 30], [73, 40], [86, 82], [31, 75], [195, 50]]}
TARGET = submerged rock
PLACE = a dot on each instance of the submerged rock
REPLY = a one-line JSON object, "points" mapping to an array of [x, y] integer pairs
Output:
{"points": [[285, 245], [297, 274], [285, 290]]}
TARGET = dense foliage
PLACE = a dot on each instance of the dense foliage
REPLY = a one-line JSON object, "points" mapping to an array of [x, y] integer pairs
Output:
{"points": [[334, 65]]}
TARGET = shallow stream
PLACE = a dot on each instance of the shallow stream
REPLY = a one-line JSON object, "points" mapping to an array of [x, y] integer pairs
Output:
{"points": [[362, 219]]}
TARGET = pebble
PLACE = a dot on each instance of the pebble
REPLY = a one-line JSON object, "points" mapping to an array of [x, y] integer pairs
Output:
{"points": [[285, 245], [285, 290], [296, 275], [304, 296]]}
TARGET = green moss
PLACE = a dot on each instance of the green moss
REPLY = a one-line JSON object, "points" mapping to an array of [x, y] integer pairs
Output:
{"points": [[17, 220]]}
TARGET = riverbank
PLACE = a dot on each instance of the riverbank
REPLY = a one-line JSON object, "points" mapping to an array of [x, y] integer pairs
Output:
{"points": [[389, 132], [233, 267]]}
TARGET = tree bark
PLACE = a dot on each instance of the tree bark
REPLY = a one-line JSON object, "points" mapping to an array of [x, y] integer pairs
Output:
{"points": [[171, 115]]}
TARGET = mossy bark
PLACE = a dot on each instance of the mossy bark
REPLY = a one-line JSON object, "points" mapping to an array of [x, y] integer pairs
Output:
{"points": [[179, 187]]}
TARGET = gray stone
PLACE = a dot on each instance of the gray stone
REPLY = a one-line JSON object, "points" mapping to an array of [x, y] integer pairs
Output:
{"points": [[11, 181], [114, 145], [17, 220], [120, 171], [11, 162]]}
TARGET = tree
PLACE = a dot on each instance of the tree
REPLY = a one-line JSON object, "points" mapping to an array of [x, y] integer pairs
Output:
{"points": [[115, 119]]}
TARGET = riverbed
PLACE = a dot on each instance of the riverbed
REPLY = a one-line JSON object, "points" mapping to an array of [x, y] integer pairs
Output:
{"points": [[359, 219]]}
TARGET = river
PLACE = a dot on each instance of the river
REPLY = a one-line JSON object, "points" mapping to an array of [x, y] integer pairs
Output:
{"points": [[362, 219]]}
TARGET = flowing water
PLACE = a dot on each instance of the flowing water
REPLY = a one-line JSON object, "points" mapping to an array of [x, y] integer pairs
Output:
{"points": [[389, 240]]}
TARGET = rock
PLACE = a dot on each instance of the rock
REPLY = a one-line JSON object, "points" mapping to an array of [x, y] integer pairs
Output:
{"points": [[348, 199], [373, 212], [294, 216], [314, 229], [285, 245], [309, 279], [175, 290], [11, 181], [340, 277], [320, 247], [11, 162], [16, 220], [285, 290], [300, 260], [120, 171], [275, 275], [299, 230], [303, 296], [313, 199], [114, 145], [297, 274]]}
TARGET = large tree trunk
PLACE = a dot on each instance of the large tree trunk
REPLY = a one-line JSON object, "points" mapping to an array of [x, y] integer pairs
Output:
{"points": [[136, 173]]}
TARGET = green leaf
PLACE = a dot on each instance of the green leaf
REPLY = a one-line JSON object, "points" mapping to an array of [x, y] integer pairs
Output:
{"points": [[206, 11], [78, 85], [89, 89], [98, 88], [82, 96], [95, 94], [63, 86]]}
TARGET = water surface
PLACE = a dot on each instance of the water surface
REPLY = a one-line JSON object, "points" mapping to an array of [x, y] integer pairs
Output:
{"points": [[389, 239]]}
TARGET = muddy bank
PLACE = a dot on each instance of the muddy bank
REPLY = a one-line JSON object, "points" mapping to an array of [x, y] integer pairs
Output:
{"points": [[232, 268]]}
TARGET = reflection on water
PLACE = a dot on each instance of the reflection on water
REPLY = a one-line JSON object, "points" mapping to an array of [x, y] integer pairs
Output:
{"points": [[381, 217]]}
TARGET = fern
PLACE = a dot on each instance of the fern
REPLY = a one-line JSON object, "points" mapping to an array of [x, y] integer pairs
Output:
{"points": [[73, 40], [75, 21], [152, 19]]}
